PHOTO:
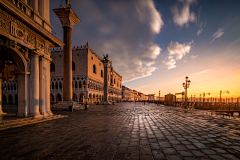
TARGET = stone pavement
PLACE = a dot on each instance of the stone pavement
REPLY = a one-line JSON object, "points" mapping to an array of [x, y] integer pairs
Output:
{"points": [[125, 131]]}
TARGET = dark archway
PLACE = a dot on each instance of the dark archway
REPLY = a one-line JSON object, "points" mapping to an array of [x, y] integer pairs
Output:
{"points": [[59, 98]]}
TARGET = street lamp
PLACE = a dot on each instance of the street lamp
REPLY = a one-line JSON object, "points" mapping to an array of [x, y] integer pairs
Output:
{"points": [[185, 86], [221, 94], [159, 96]]}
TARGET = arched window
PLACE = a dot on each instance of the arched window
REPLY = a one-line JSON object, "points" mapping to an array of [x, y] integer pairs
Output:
{"points": [[114, 80], [52, 67], [60, 85], [76, 84], [101, 73], [73, 66], [80, 84], [52, 85], [56, 85], [94, 69]]}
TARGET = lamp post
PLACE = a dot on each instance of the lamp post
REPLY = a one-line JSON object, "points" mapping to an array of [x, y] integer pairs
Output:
{"points": [[221, 94], [204, 94], [185, 86], [159, 96]]}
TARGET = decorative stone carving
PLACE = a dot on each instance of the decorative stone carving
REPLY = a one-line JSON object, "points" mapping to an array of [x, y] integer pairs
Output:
{"points": [[19, 33]]}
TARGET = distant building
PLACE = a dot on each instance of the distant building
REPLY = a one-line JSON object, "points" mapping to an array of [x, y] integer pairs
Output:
{"points": [[88, 72], [127, 94], [169, 99]]}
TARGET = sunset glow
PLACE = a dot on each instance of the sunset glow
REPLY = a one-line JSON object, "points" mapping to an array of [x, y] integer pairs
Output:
{"points": [[155, 44]]}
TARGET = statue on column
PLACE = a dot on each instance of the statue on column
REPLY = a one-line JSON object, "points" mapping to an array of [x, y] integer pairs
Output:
{"points": [[68, 5]]}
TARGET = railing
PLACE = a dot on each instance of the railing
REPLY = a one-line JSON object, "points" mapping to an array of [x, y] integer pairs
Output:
{"points": [[25, 8]]}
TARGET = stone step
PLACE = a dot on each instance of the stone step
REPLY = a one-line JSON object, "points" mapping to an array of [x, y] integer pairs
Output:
{"points": [[27, 121]]}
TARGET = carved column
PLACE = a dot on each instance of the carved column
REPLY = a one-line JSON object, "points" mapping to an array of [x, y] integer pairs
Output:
{"points": [[68, 19], [23, 107], [105, 96], [34, 87], [47, 63], [42, 86]]}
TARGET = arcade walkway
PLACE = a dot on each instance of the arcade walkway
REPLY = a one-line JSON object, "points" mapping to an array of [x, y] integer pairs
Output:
{"points": [[125, 131]]}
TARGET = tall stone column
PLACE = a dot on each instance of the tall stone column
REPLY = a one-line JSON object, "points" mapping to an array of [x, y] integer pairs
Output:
{"points": [[34, 87], [68, 19], [106, 63], [1, 112], [47, 63], [23, 104], [43, 98]]}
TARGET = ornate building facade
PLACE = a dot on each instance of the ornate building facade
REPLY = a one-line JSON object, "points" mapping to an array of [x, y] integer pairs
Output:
{"points": [[87, 73], [25, 43]]}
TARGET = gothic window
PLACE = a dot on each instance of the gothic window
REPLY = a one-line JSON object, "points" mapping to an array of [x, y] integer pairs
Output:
{"points": [[76, 84], [80, 84], [56, 85], [52, 67], [52, 85], [101, 73], [73, 66], [114, 80], [94, 69], [60, 85]]}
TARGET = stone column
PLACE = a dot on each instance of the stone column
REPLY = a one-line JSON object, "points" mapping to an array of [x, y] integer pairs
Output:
{"points": [[67, 63], [47, 63], [105, 96], [1, 112], [68, 19], [23, 90], [42, 86], [34, 87]]}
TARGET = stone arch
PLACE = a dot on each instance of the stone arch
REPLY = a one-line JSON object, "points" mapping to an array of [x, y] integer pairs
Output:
{"points": [[82, 98], [51, 98], [56, 85], [53, 85], [16, 98], [4, 99], [97, 98], [74, 97], [80, 84], [60, 85], [94, 98], [10, 99], [90, 98], [84, 84], [58, 97], [76, 84]]}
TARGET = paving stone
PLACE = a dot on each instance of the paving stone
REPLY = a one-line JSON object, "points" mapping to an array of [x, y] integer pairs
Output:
{"points": [[124, 131]]}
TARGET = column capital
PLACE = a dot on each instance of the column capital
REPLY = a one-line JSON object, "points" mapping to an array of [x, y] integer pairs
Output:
{"points": [[67, 17], [44, 58]]}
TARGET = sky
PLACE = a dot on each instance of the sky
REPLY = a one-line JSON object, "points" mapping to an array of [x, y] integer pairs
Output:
{"points": [[155, 44]]}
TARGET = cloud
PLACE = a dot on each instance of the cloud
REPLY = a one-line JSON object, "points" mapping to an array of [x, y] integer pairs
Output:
{"points": [[176, 52], [193, 57], [125, 30], [179, 50], [202, 72], [171, 63], [217, 34], [199, 31], [184, 15]]}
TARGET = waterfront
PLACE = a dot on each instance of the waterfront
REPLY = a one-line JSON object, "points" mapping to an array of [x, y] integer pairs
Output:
{"points": [[126, 131]]}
